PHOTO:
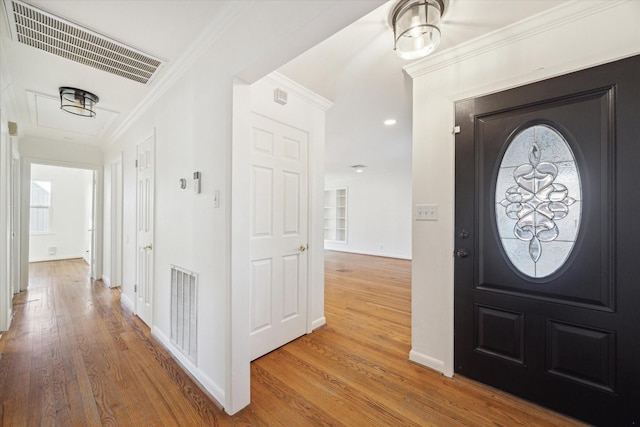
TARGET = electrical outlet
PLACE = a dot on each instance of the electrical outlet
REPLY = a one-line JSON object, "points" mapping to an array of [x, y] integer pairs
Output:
{"points": [[426, 213]]}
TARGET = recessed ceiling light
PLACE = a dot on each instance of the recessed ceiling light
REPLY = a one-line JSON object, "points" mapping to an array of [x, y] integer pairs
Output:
{"points": [[390, 122]]}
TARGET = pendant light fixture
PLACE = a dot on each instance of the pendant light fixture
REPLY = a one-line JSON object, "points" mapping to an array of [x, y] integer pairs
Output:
{"points": [[78, 101], [416, 27]]}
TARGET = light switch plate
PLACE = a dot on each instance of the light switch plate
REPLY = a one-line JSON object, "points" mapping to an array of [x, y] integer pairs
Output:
{"points": [[426, 213]]}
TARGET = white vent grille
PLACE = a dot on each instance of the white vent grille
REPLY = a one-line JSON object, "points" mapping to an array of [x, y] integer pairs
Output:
{"points": [[55, 35], [184, 298]]}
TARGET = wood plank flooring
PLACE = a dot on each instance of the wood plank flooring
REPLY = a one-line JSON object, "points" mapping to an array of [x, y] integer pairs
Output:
{"points": [[75, 357]]}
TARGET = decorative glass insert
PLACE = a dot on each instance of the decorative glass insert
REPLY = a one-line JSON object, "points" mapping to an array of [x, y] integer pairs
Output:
{"points": [[538, 201]]}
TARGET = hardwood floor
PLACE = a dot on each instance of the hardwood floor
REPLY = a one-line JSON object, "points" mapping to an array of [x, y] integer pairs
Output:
{"points": [[74, 356]]}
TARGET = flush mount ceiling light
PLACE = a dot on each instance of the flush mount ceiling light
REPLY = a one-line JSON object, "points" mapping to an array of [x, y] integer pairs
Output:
{"points": [[78, 101], [416, 27], [358, 168]]}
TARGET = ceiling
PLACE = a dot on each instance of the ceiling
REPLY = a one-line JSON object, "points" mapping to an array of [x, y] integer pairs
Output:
{"points": [[356, 68]]}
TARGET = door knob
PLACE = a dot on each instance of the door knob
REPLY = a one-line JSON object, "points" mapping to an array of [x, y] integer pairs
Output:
{"points": [[462, 253], [303, 248], [148, 247]]}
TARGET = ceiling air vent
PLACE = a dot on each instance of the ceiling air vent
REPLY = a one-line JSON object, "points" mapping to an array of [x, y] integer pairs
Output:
{"points": [[42, 30]]}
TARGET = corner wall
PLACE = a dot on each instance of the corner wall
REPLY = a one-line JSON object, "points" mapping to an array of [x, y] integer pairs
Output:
{"points": [[541, 47]]}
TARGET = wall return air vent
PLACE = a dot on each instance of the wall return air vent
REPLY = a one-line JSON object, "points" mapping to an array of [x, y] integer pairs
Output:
{"points": [[42, 30]]}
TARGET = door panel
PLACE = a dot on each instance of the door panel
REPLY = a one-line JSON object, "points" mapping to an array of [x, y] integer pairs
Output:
{"points": [[546, 297], [584, 119], [278, 234]]}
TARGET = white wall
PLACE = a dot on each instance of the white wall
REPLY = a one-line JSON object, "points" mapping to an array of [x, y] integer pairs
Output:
{"points": [[60, 152], [70, 214], [189, 122], [561, 41], [378, 213]]}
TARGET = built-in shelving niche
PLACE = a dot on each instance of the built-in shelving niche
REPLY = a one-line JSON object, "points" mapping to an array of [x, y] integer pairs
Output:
{"points": [[335, 215]]}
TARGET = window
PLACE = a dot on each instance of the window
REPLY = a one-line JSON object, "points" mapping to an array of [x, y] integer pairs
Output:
{"points": [[40, 219]]}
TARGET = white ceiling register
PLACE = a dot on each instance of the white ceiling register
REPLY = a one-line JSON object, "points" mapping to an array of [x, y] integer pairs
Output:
{"points": [[45, 31]]}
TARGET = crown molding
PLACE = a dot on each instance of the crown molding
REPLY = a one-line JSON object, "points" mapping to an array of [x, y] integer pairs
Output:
{"points": [[224, 20], [301, 91], [559, 16]]}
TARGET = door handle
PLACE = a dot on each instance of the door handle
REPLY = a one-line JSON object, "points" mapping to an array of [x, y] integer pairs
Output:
{"points": [[462, 253], [303, 248], [148, 247]]}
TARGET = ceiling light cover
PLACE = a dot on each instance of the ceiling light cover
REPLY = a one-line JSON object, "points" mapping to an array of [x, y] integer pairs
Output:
{"points": [[78, 101], [416, 27]]}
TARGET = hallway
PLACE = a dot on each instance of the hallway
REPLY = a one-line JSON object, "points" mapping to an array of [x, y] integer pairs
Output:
{"points": [[74, 356]]}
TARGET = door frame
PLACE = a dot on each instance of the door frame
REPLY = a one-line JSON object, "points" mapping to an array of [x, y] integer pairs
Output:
{"points": [[97, 216], [15, 221], [116, 222]]}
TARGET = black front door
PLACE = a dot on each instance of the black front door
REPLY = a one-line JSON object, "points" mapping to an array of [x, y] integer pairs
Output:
{"points": [[547, 276]]}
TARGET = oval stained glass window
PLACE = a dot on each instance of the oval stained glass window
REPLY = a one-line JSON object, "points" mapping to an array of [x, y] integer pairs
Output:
{"points": [[538, 201]]}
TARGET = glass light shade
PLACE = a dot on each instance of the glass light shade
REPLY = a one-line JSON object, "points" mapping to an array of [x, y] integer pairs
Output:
{"points": [[416, 27], [78, 101]]}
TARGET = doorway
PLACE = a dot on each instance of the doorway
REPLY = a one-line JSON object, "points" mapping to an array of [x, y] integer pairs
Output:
{"points": [[546, 295], [60, 213], [60, 216]]}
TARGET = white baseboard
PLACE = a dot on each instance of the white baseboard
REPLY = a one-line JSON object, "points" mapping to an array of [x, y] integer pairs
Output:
{"points": [[55, 258], [126, 301], [318, 322], [384, 255], [207, 383], [107, 280], [429, 362]]}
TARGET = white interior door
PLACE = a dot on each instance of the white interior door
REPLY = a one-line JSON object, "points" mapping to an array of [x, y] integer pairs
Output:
{"points": [[278, 265], [116, 223], [144, 223]]}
